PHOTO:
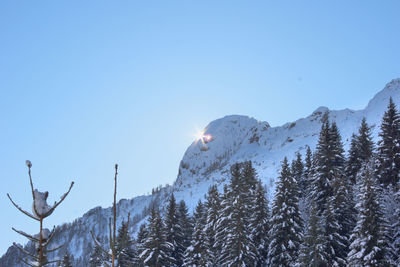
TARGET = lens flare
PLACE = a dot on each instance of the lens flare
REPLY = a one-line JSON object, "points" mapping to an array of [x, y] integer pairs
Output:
{"points": [[204, 138]]}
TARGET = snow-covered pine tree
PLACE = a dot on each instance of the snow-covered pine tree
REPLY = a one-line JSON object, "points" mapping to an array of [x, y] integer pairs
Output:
{"points": [[260, 225], [195, 254], [238, 249], [361, 151], [248, 181], [186, 226], [286, 226], [368, 241], [297, 169], [97, 256], [336, 148], [66, 261], [213, 208], [308, 165], [338, 214], [366, 144], [340, 221], [306, 196], [140, 244], [156, 249], [388, 158], [173, 231], [395, 230], [222, 225], [336, 244], [313, 248], [125, 254], [353, 163], [323, 174]]}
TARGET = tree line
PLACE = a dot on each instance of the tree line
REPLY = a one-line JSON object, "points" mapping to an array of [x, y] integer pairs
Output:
{"points": [[328, 210]]}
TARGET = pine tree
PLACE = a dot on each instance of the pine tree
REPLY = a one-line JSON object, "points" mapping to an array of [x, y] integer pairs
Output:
{"points": [[313, 249], [124, 252], [238, 249], [174, 232], [195, 254], [97, 256], [336, 148], [298, 174], [365, 141], [368, 240], [260, 225], [248, 181], [308, 162], [222, 225], [340, 221], [353, 163], [336, 244], [213, 207], [156, 249], [186, 226], [66, 262], [388, 162], [306, 195], [286, 225], [140, 244], [321, 182], [361, 151], [395, 230]]}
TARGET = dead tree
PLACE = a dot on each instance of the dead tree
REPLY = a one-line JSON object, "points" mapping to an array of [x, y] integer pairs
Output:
{"points": [[112, 231], [40, 210], [112, 228]]}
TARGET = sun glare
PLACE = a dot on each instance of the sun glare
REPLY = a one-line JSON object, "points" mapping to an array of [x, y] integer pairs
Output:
{"points": [[199, 135], [204, 138]]}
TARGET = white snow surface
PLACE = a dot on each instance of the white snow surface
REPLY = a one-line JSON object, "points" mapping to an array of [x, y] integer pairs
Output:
{"points": [[234, 138], [39, 206]]}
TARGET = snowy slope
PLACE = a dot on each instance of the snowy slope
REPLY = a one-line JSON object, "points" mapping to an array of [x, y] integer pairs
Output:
{"points": [[234, 138]]}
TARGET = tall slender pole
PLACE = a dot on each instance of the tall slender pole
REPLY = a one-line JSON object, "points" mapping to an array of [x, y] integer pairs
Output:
{"points": [[115, 214]]}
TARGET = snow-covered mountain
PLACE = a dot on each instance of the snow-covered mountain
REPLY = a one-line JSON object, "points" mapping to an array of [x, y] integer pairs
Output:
{"points": [[228, 140]]}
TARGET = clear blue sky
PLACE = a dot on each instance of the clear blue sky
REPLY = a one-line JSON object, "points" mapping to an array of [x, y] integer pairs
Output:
{"points": [[86, 84]]}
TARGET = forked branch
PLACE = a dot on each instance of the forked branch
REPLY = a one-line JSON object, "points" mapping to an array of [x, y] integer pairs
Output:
{"points": [[59, 202]]}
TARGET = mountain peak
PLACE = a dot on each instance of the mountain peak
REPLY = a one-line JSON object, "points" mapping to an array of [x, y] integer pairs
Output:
{"points": [[392, 89], [321, 109]]}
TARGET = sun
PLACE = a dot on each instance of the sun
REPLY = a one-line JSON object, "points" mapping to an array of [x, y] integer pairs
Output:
{"points": [[204, 138], [199, 135]]}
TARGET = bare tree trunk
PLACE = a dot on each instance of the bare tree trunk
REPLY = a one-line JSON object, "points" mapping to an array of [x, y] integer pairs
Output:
{"points": [[115, 213], [40, 243]]}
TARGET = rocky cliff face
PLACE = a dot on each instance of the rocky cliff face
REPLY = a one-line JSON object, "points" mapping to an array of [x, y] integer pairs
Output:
{"points": [[207, 161]]}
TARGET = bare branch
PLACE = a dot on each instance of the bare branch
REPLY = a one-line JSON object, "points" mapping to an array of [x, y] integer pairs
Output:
{"points": [[23, 211], [98, 244], [27, 263], [31, 238], [109, 227], [59, 202], [25, 252], [54, 249], [30, 178]]}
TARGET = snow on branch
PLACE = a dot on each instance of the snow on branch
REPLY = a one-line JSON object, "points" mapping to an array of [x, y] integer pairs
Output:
{"points": [[20, 209], [31, 238]]}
